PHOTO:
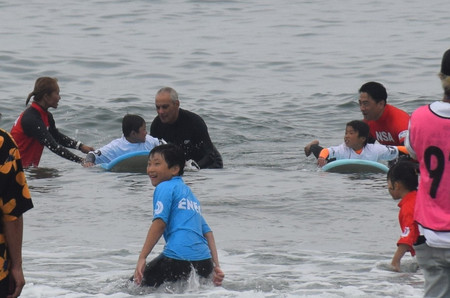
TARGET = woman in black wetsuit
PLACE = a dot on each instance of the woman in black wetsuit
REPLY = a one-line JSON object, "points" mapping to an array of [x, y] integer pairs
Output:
{"points": [[35, 127]]}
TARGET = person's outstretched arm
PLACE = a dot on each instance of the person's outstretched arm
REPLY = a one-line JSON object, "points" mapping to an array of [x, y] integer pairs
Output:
{"points": [[323, 155], [399, 253], [218, 274], [34, 127], [154, 233]]}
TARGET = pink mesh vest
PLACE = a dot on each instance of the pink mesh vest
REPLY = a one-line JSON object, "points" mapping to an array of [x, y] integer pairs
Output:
{"points": [[429, 136]]}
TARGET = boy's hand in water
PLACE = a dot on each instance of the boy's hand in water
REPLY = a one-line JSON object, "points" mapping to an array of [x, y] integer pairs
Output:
{"points": [[321, 161], [218, 276]]}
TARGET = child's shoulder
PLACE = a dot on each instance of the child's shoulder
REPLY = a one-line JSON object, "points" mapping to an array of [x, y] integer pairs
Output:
{"points": [[174, 188], [378, 146], [409, 199], [173, 182], [113, 143], [374, 145], [152, 140], [412, 194]]}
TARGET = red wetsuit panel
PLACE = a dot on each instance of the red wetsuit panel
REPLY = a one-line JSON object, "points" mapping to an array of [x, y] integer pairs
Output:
{"points": [[29, 147], [391, 127], [34, 129]]}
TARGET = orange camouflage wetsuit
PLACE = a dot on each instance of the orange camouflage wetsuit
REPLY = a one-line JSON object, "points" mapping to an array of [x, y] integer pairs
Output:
{"points": [[15, 197], [391, 128]]}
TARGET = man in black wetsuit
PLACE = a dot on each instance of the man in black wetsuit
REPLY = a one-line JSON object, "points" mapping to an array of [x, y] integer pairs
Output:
{"points": [[185, 129]]}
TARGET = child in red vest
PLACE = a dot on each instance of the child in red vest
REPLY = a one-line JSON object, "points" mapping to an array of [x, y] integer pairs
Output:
{"points": [[402, 180]]}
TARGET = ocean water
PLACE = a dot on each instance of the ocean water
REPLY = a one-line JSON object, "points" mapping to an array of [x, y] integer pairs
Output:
{"points": [[267, 77]]}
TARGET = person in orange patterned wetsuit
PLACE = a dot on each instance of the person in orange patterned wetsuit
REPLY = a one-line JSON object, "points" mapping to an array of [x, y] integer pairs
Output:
{"points": [[15, 200]]}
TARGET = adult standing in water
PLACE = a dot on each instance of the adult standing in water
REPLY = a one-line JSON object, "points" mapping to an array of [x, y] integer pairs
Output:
{"points": [[388, 124], [184, 129], [15, 200], [35, 127], [428, 141]]}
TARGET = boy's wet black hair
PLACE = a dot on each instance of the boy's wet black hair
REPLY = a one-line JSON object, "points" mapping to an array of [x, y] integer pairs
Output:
{"points": [[404, 172], [172, 154], [361, 127], [131, 123]]}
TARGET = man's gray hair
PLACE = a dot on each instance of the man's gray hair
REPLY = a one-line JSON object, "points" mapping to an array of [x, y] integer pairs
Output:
{"points": [[171, 91]]}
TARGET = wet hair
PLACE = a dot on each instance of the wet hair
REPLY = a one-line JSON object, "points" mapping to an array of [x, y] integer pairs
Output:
{"points": [[173, 94], [131, 123], [404, 172], [172, 154], [361, 127], [445, 73], [375, 90], [42, 86]]}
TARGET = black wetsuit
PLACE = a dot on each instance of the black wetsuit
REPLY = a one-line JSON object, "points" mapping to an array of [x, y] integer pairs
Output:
{"points": [[163, 269], [190, 133]]}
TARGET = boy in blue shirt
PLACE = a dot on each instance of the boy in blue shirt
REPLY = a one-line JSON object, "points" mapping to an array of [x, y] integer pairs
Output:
{"points": [[176, 215]]}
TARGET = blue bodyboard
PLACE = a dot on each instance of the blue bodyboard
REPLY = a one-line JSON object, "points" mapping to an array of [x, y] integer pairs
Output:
{"points": [[133, 162], [355, 166]]}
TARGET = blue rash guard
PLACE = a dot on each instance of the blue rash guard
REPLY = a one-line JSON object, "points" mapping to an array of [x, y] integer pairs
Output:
{"points": [[176, 205]]}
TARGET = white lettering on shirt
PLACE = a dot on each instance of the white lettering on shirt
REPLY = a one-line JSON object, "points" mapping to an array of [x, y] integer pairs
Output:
{"points": [[186, 204], [384, 136]]}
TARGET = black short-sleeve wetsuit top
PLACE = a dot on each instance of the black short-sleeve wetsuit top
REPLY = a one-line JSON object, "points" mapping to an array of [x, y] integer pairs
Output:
{"points": [[190, 133]]}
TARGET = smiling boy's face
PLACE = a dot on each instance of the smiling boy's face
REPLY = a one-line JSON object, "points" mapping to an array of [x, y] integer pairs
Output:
{"points": [[352, 138], [158, 169]]}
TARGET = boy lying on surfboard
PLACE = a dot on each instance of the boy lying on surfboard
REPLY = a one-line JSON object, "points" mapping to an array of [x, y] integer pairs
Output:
{"points": [[355, 146], [135, 138]]}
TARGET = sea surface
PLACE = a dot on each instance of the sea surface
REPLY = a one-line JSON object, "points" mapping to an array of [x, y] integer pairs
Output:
{"points": [[267, 77]]}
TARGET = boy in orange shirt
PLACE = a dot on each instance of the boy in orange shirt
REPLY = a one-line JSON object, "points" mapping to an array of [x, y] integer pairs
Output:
{"points": [[402, 180]]}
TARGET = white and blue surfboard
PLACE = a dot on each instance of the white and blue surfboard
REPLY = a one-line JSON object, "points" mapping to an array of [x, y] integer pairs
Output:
{"points": [[346, 166], [133, 162]]}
